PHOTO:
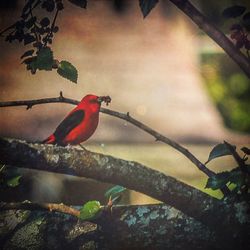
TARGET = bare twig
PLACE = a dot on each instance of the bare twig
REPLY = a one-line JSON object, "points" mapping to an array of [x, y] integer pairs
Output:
{"points": [[127, 117], [35, 30], [61, 208], [31, 103], [212, 31], [51, 28]]}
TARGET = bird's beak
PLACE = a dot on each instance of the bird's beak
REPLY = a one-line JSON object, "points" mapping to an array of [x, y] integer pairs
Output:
{"points": [[105, 99]]}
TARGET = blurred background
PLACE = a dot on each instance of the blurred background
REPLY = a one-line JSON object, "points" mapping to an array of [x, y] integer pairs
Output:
{"points": [[162, 69]]}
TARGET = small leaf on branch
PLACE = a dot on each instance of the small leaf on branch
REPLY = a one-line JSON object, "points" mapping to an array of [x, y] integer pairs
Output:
{"points": [[90, 210], [79, 3], [218, 151], [233, 11], [68, 71], [146, 6], [114, 191], [27, 53], [114, 194]]}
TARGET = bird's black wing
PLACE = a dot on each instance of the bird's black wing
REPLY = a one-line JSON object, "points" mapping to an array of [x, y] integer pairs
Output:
{"points": [[68, 124]]}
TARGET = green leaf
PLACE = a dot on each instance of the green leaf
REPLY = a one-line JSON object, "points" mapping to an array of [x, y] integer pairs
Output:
{"points": [[14, 181], [114, 191], [90, 210], [246, 150], [218, 181], [233, 11], [80, 3], [218, 151], [146, 6], [67, 70], [44, 60]]}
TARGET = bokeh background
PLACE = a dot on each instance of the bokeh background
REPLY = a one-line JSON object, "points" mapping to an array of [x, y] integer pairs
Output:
{"points": [[162, 69]]}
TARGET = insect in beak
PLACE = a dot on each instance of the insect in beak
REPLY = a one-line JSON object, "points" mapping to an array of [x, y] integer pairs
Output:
{"points": [[105, 99]]}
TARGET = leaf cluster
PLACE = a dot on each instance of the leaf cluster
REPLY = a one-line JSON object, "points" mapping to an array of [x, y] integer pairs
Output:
{"points": [[92, 209], [238, 177], [39, 33]]}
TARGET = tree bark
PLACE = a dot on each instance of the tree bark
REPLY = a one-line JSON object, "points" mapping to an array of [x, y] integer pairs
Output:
{"points": [[128, 227]]}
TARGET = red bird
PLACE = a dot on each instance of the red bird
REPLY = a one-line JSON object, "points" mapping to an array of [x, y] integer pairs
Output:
{"points": [[80, 123]]}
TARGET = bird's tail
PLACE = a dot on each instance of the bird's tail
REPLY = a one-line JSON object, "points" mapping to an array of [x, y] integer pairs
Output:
{"points": [[50, 140]]}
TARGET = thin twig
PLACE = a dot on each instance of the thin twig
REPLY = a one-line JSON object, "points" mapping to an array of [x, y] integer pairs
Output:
{"points": [[37, 37], [128, 118], [51, 28], [31, 103], [61, 208]]}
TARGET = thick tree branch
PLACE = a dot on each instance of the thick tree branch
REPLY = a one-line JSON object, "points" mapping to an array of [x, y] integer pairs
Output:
{"points": [[128, 227], [73, 161], [128, 118], [212, 31]]}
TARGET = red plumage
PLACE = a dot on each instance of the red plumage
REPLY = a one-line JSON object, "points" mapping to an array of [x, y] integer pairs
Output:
{"points": [[80, 123]]}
